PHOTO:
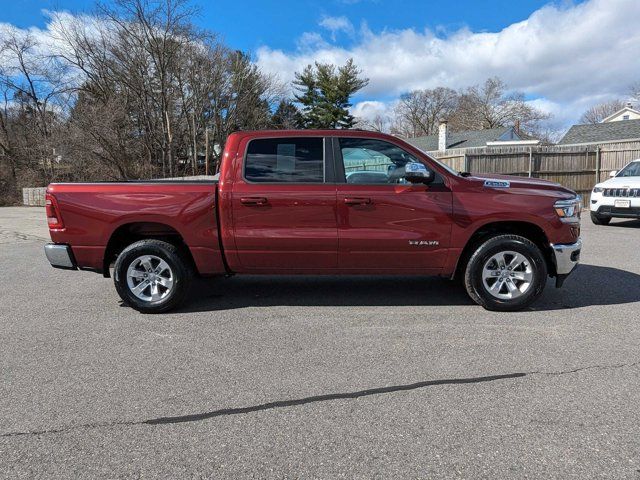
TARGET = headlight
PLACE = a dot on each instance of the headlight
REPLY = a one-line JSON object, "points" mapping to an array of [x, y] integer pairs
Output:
{"points": [[597, 189], [569, 210]]}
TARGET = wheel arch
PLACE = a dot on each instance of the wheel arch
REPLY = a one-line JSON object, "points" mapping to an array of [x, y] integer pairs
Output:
{"points": [[131, 232], [529, 230]]}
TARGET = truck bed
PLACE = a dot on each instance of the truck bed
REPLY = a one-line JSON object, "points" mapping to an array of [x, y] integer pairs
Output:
{"points": [[98, 215]]}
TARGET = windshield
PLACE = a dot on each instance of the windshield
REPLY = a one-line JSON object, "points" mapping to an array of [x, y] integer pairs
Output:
{"points": [[445, 166], [631, 170], [441, 164]]}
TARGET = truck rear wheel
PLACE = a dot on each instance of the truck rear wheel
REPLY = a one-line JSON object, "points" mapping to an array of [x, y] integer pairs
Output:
{"points": [[151, 276], [599, 220], [506, 273]]}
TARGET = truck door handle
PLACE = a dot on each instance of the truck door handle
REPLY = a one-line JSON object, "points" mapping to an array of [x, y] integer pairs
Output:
{"points": [[357, 201], [253, 201]]}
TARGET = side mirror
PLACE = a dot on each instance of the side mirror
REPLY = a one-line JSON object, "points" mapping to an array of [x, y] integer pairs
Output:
{"points": [[417, 173], [613, 173]]}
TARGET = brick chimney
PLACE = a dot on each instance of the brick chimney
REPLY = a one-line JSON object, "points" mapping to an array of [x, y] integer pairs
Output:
{"points": [[443, 135]]}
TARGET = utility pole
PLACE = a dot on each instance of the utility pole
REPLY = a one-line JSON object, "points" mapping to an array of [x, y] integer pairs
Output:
{"points": [[195, 143], [206, 151]]}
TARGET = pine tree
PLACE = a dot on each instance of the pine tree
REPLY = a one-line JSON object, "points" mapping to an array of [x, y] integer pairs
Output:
{"points": [[305, 83], [325, 94], [287, 116]]}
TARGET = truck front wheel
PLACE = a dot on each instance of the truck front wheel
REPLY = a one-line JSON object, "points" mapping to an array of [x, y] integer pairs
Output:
{"points": [[151, 276], [506, 273]]}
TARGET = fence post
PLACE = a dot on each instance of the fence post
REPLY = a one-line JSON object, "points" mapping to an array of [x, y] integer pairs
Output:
{"points": [[598, 164], [530, 161], [466, 162]]}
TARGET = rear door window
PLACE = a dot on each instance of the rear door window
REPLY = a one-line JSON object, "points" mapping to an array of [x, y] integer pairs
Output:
{"points": [[285, 160]]}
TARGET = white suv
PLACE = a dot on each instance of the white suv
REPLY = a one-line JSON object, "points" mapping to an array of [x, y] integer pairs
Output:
{"points": [[618, 197]]}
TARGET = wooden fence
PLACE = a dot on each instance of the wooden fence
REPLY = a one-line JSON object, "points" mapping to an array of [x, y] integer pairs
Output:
{"points": [[578, 167]]}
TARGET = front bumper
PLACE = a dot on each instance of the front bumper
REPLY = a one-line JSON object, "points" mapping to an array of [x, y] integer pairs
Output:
{"points": [[60, 256], [606, 206], [618, 212], [566, 257]]}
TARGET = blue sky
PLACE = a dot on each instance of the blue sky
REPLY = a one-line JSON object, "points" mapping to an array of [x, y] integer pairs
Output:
{"points": [[565, 55], [249, 24]]}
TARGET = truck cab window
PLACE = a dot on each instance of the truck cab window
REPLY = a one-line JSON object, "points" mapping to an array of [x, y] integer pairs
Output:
{"points": [[285, 160], [371, 161]]}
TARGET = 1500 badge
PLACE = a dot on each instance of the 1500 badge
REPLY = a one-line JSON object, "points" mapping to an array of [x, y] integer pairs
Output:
{"points": [[424, 243]]}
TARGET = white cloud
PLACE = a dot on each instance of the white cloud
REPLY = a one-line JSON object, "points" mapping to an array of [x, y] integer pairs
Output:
{"points": [[372, 110], [311, 41], [337, 24], [567, 55], [49, 41], [374, 114]]}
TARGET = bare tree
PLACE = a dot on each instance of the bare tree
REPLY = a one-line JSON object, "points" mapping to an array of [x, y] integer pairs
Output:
{"points": [[379, 123], [35, 97], [599, 112], [134, 91], [475, 108], [634, 91], [160, 94], [5, 137], [491, 106], [420, 111]]}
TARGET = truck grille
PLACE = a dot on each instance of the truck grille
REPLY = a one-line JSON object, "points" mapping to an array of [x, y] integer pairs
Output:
{"points": [[621, 192]]}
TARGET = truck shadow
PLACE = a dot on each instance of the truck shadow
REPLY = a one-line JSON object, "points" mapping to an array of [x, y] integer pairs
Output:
{"points": [[625, 223], [588, 285], [323, 291], [591, 285]]}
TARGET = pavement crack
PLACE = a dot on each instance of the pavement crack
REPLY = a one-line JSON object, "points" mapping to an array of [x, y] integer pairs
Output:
{"points": [[313, 399], [70, 428], [328, 397], [271, 405], [582, 369]]}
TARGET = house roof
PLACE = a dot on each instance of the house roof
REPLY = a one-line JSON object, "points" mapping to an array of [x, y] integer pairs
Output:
{"points": [[467, 138], [626, 109], [602, 132]]}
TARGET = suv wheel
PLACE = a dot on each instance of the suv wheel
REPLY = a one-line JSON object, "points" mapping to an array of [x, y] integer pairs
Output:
{"points": [[599, 220], [506, 273], [151, 276]]}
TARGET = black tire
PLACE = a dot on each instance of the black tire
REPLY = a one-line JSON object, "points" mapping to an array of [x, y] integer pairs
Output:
{"points": [[179, 273], [599, 220], [473, 276]]}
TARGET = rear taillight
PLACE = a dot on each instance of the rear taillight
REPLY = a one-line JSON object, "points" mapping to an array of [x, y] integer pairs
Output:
{"points": [[53, 212]]}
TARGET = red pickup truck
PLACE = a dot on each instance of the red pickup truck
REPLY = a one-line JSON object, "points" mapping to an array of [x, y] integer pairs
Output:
{"points": [[319, 202]]}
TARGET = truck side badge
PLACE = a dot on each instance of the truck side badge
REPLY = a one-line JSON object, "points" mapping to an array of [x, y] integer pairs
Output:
{"points": [[424, 243], [497, 184]]}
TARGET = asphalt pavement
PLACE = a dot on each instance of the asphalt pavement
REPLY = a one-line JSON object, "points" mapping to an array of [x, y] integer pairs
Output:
{"points": [[310, 377]]}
